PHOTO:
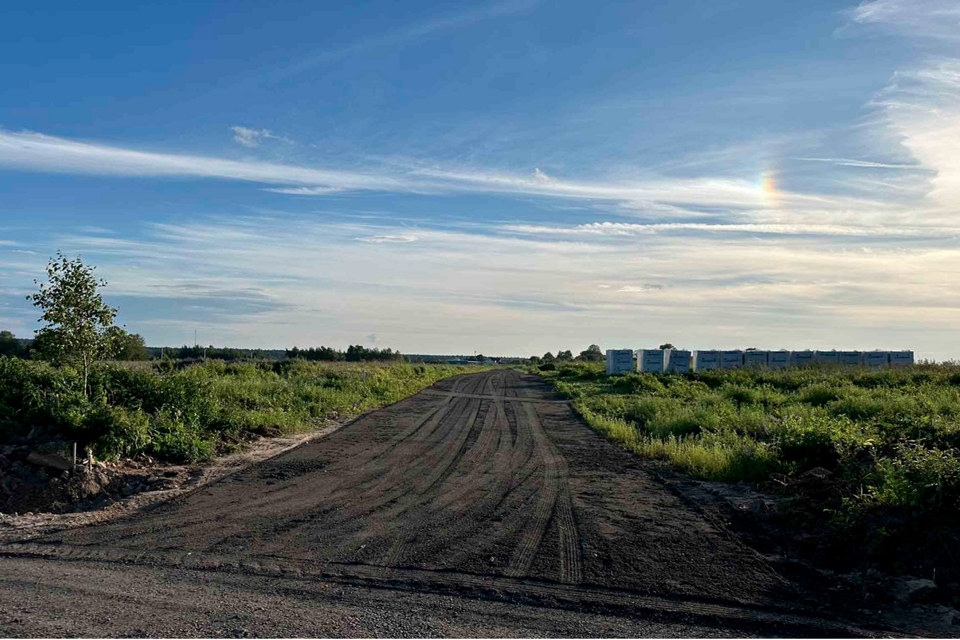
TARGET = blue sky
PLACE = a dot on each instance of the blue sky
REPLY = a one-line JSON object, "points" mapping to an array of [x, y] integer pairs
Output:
{"points": [[507, 177]]}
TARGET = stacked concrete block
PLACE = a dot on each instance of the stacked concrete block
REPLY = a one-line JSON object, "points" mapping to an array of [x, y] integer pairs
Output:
{"points": [[851, 358], [901, 358], [619, 361], [803, 358], [876, 359], [676, 360], [705, 360], [755, 358], [732, 359], [650, 360], [828, 357], [778, 359]]}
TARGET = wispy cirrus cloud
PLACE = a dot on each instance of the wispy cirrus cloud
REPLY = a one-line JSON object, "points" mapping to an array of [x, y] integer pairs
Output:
{"points": [[316, 280], [306, 191], [924, 18], [866, 164], [921, 108], [39, 152], [430, 26], [389, 238], [253, 137], [627, 229], [649, 195]]}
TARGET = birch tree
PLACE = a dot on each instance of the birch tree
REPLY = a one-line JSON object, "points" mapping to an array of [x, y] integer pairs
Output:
{"points": [[77, 321]]}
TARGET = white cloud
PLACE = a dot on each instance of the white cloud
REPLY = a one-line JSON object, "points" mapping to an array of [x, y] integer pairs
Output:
{"points": [[925, 18], [664, 196], [253, 137], [867, 164], [921, 108], [632, 229], [644, 288], [541, 176], [389, 239], [314, 283], [306, 191], [40, 152]]}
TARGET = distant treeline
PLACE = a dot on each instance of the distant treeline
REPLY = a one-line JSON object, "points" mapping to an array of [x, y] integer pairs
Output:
{"points": [[214, 353], [354, 353]]}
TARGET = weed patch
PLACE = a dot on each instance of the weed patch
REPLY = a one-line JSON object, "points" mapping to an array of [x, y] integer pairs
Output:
{"points": [[189, 414], [881, 445]]}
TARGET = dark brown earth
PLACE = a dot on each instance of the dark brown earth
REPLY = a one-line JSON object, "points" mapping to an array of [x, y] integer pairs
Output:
{"points": [[480, 507]]}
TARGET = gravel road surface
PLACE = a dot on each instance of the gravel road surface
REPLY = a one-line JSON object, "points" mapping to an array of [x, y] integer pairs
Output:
{"points": [[480, 507]]}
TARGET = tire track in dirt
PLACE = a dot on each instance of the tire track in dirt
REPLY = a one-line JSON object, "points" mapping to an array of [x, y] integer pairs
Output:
{"points": [[727, 614], [553, 501], [499, 490]]}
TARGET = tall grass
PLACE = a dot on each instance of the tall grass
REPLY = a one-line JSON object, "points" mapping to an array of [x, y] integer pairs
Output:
{"points": [[192, 413], [890, 437]]}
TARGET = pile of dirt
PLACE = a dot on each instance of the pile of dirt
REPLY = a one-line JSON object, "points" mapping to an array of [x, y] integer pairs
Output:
{"points": [[36, 477]]}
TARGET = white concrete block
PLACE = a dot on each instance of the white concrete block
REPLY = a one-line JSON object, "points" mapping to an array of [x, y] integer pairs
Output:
{"points": [[851, 358], [828, 357], [778, 359], [876, 359], [803, 358], [705, 360], [732, 359], [619, 361], [901, 358], [755, 358], [650, 360], [676, 360]]}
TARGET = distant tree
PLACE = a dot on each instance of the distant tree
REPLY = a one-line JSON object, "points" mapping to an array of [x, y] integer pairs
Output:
{"points": [[77, 319], [666, 345], [565, 356], [127, 346], [535, 359], [479, 357], [548, 357], [10, 346], [43, 347], [591, 354]]}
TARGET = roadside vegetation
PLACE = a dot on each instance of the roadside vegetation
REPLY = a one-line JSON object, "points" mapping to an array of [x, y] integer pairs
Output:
{"points": [[870, 455], [190, 414]]}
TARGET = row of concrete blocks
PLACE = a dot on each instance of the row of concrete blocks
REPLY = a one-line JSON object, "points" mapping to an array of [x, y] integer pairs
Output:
{"points": [[679, 360]]}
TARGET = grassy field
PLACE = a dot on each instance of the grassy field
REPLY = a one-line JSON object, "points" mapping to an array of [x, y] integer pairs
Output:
{"points": [[887, 438], [190, 414]]}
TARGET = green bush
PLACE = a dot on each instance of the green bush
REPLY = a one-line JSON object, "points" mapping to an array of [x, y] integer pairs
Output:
{"points": [[189, 413], [918, 477], [115, 432], [820, 395]]}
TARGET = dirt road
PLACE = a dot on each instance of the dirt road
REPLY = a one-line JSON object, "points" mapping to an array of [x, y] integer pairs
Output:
{"points": [[481, 506]]}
